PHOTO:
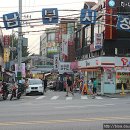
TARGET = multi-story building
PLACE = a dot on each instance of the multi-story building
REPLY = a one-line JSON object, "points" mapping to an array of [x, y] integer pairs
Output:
{"points": [[103, 51], [48, 45]]}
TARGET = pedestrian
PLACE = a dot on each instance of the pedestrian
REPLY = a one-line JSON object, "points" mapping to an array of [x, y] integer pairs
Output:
{"points": [[45, 83], [94, 87], [69, 86], [90, 86], [26, 85], [85, 89]]}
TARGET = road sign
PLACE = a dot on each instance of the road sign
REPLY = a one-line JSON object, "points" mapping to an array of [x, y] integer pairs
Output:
{"points": [[88, 16], [11, 20], [123, 22], [50, 15]]}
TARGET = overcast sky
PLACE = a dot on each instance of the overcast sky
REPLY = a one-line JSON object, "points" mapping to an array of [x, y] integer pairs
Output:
{"points": [[9, 6]]}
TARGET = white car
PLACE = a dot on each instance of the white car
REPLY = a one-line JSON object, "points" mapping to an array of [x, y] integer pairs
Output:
{"points": [[35, 86]]}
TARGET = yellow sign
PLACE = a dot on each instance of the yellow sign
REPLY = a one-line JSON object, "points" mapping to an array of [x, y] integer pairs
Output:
{"points": [[6, 54]]}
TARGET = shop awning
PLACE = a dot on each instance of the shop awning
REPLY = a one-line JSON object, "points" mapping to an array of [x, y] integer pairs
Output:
{"points": [[89, 69]]}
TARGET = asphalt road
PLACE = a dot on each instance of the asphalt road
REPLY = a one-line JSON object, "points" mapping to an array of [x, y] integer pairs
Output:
{"points": [[54, 111]]}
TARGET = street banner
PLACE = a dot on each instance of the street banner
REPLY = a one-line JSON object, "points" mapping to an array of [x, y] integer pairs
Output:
{"points": [[22, 69], [6, 40], [56, 62], [98, 40], [65, 44], [70, 32], [6, 54]]}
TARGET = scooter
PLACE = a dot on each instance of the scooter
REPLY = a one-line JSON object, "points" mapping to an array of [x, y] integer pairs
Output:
{"points": [[16, 92], [4, 91]]}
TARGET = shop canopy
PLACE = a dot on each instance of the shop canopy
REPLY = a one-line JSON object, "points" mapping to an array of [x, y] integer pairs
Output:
{"points": [[89, 69]]}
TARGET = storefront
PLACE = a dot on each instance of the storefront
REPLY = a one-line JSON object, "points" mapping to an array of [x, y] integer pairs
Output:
{"points": [[110, 73]]}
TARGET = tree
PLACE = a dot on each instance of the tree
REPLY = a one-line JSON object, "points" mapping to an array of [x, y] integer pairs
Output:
{"points": [[25, 51]]}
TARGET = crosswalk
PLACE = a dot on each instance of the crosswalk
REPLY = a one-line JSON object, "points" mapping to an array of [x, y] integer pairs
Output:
{"points": [[56, 97]]}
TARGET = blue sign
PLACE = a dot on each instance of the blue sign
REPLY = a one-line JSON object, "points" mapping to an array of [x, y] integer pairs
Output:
{"points": [[88, 16], [123, 22], [50, 15], [11, 20]]}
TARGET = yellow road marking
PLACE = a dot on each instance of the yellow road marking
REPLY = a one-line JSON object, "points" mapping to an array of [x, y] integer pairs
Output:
{"points": [[63, 121]]}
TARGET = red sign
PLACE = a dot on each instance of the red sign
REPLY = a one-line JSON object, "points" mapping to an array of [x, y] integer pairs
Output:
{"points": [[124, 60], [6, 40]]}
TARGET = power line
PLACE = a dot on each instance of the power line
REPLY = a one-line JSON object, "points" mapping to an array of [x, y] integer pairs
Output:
{"points": [[43, 5]]}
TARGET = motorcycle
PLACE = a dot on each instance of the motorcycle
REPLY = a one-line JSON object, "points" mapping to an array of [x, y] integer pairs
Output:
{"points": [[16, 92], [4, 91]]}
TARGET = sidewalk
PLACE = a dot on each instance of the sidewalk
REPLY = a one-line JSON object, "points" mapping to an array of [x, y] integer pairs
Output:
{"points": [[117, 95]]}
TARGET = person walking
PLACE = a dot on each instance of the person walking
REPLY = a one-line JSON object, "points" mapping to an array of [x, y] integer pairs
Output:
{"points": [[90, 87], [45, 83], [94, 88], [69, 86]]}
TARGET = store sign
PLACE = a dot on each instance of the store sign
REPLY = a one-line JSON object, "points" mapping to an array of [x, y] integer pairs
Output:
{"points": [[123, 6], [123, 22], [87, 63], [124, 61], [56, 62], [64, 67]]}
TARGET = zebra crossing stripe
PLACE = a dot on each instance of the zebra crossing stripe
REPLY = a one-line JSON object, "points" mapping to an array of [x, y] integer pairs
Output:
{"points": [[41, 97], [54, 97], [84, 97], [68, 98], [98, 97]]}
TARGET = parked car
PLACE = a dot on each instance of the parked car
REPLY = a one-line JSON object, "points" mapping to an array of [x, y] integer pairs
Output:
{"points": [[35, 86]]}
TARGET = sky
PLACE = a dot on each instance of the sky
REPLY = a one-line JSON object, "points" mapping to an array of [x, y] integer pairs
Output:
{"points": [[9, 6]]}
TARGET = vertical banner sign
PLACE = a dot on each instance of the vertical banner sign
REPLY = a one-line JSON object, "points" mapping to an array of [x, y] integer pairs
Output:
{"points": [[123, 22], [70, 32], [6, 54], [57, 33], [88, 16], [6, 40], [64, 44], [98, 40], [22, 69], [50, 15], [56, 62], [11, 20]]}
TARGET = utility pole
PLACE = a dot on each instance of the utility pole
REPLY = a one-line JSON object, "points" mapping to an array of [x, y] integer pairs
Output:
{"points": [[20, 37]]}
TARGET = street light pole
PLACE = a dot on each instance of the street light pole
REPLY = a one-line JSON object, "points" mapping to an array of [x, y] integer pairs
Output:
{"points": [[20, 37]]}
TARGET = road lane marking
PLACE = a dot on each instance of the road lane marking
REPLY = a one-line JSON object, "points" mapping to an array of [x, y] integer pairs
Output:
{"points": [[41, 97], [63, 121], [97, 97], [84, 106], [84, 97], [54, 97], [68, 98]]}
